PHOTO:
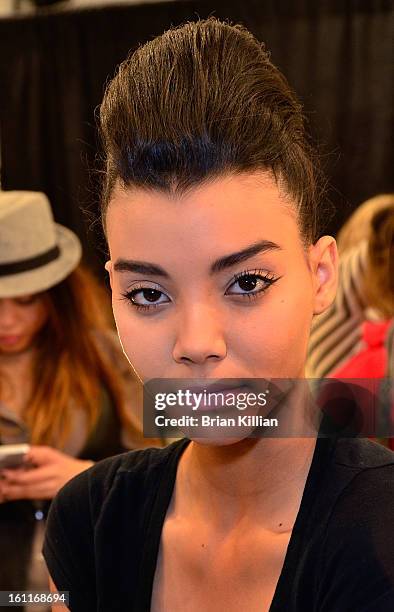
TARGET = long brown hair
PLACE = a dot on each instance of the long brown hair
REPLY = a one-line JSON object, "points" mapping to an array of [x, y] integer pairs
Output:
{"points": [[69, 365]]}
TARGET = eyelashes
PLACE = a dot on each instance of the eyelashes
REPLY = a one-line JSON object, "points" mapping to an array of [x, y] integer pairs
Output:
{"points": [[26, 301], [252, 284], [148, 293]]}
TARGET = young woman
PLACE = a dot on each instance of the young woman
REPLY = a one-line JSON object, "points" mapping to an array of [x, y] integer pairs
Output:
{"points": [[364, 304], [65, 386], [354, 337], [217, 267]]}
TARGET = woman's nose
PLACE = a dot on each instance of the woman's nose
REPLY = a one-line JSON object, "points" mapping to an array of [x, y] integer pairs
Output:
{"points": [[8, 314], [200, 337]]}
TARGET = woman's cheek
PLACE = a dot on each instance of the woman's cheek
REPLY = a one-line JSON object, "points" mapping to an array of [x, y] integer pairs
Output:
{"points": [[145, 350]]}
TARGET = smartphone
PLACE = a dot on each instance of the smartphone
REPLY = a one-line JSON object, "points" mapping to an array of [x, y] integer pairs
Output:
{"points": [[12, 455]]}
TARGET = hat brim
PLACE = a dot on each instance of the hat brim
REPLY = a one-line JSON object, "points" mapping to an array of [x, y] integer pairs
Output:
{"points": [[45, 277]]}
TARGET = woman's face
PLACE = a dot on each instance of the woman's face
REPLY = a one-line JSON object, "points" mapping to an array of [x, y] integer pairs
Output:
{"points": [[215, 284], [21, 319]]}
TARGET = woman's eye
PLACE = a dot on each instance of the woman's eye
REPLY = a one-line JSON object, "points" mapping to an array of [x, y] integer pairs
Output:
{"points": [[250, 284], [145, 298], [26, 300]]}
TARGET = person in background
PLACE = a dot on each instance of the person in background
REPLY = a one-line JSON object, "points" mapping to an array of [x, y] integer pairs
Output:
{"points": [[66, 387], [354, 339]]}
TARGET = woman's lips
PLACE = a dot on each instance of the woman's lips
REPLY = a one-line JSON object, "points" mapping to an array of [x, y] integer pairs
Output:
{"points": [[214, 390], [9, 340], [210, 404], [220, 386]]}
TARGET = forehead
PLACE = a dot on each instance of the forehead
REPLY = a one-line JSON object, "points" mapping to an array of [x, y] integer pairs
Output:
{"points": [[226, 212]]}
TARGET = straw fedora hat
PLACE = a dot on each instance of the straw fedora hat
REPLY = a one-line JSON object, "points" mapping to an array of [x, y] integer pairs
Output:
{"points": [[35, 252]]}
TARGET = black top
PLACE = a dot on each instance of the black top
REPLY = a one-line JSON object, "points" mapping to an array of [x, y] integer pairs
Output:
{"points": [[104, 529]]}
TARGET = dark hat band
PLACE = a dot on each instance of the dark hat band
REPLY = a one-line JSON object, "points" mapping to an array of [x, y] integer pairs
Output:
{"points": [[24, 265]]}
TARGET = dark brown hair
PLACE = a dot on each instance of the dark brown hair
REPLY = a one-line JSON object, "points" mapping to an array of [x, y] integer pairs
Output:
{"points": [[204, 100]]}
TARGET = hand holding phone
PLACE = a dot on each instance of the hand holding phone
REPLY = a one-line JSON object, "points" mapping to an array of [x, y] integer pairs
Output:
{"points": [[12, 455], [51, 470]]}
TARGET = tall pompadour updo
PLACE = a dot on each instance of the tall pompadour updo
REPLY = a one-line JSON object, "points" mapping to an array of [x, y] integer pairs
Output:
{"points": [[204, 100]]}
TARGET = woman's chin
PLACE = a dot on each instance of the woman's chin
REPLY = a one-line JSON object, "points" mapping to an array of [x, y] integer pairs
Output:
{"points": [[218, 438], [217, 441]]}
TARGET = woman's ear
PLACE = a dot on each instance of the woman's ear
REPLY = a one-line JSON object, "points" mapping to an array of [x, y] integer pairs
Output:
{"points": [[108, 267], [324, 265]]}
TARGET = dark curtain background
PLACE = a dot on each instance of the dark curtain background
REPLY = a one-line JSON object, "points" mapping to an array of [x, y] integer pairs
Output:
{"points": [[53, 68]]}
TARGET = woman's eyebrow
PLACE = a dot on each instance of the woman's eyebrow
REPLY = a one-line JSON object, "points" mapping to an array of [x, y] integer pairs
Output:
{"points": [[227, 261], [235, 258], [139, 267]]}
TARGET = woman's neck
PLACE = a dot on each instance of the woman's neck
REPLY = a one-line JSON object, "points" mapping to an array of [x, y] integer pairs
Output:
{"points": [[259, 479], [13, 364], [16, 380]]}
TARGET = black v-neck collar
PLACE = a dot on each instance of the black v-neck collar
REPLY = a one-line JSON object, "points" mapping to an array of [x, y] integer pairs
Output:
{"points": [[154, 522], [154, 525], [321, 459]]}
